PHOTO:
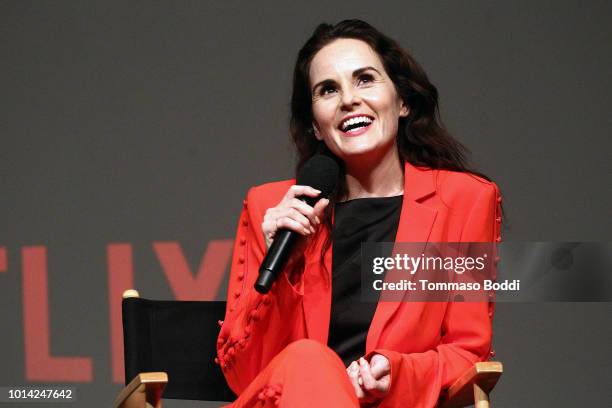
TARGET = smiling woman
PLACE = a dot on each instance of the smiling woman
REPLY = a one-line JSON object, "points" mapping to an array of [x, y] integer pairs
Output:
{"points": [[356, 98], [356, 111], [359, 98]]}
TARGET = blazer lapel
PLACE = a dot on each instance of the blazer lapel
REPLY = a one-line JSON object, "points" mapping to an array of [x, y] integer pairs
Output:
{"points": [[415, 224]]}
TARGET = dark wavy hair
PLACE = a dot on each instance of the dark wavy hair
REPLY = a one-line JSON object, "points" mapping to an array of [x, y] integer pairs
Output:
{"points": [[421, 138]]}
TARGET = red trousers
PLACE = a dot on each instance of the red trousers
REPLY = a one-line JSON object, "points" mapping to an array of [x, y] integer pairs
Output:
{"points": [[305, 374]]}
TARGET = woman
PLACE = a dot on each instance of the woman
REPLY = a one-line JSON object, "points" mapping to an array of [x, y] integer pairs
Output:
{"points": [[358, 97]]}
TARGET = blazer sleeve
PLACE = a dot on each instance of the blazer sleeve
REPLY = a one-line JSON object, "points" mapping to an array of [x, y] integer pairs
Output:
{"points": [[418, 379], [256, 326]]}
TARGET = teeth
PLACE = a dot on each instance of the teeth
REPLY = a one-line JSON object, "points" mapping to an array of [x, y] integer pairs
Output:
{"points": [[357, 120]]}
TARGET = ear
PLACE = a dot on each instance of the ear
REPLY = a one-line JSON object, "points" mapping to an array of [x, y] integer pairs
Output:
{"points": [[404, 109], [316, 131]]}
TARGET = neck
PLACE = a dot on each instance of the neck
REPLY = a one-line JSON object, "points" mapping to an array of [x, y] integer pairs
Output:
{"points": [[374, 177]]}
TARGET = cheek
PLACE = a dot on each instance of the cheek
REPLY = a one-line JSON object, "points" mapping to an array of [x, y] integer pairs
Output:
{"points": [[384, 96], [387, 107], [318, 113], [324, 116], [323, 113]]}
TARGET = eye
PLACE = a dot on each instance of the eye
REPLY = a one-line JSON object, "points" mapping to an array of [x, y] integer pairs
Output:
{"points": [[365, 79], [326, 89]]}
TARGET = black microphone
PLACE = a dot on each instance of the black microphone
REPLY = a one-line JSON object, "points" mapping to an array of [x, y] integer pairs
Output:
{"points": [[319, 172]]}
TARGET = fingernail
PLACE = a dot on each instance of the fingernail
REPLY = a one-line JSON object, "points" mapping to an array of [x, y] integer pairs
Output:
{"points": [[312, 230], [317, 220]]}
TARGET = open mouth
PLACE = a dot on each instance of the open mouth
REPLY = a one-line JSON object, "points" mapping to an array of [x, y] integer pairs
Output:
{"points": [[356, 125]]}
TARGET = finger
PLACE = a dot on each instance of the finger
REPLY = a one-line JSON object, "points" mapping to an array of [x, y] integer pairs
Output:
{"points": [[295, 215], [288, 223], [369, 382], [379, 366], [298, 190], [319, 208], [383, 384], [372, 387], [304, 209], [353, 374]]}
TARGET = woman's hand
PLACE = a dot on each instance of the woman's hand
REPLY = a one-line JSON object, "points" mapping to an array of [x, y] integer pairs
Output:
{"points": [[372, 380], [294, 214]]}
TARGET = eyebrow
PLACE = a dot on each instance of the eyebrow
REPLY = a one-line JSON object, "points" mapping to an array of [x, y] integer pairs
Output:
{"points": [[356, 73]]}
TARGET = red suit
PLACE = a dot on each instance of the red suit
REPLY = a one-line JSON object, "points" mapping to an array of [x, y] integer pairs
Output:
{"points": [[428, 344]]}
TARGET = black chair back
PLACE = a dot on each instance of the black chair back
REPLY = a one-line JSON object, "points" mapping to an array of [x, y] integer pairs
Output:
{"points": [[178, 337]]}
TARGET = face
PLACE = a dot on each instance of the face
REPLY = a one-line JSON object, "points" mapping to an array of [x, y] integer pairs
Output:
{"points": [[355, 106]]}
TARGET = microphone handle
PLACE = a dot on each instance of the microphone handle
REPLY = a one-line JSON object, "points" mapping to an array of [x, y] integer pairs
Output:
{"points": [[275, 259]]}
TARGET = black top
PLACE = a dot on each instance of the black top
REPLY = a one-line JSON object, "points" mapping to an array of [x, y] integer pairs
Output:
{"points": [[355, 221]]}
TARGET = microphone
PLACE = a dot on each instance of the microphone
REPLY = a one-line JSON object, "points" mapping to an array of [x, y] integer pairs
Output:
{"points": [[319, 172]]}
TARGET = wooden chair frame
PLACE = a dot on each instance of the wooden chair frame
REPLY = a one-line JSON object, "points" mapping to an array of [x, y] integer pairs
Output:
{"points": [[473, 387]]}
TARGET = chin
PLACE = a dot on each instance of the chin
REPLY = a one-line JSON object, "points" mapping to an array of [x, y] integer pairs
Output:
{"points": [[357, 152], [364, 148]]}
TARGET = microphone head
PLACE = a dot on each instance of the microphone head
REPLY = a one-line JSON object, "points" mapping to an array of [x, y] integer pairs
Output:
{"points": [[320, 172]]}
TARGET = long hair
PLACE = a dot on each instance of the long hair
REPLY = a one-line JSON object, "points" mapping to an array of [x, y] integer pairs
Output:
{"points": [[421, 138]]}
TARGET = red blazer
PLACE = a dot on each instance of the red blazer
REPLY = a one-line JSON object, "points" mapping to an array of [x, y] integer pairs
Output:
{"points": [[429, 344]]}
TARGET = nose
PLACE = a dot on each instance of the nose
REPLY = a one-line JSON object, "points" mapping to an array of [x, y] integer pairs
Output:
{"points": [[350, 98]]}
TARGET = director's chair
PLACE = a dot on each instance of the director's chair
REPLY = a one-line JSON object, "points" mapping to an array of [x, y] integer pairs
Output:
{"points": [[169, 348]]}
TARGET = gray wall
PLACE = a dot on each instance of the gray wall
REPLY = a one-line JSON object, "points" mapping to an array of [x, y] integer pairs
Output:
{"points": [[148, 121]]}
